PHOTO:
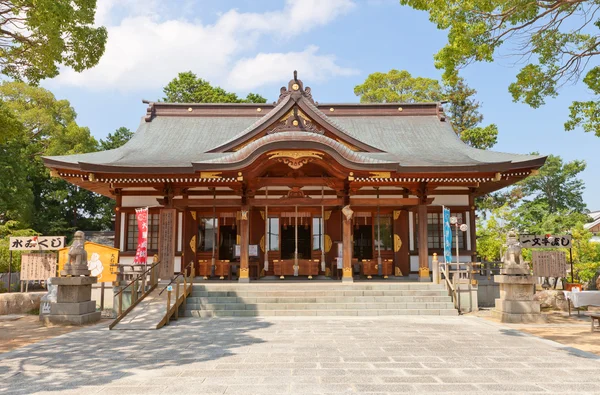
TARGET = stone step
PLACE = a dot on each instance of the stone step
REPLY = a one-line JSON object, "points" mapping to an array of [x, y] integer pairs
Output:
{"points": [[317, 299], [317, 286], [315, 293], [357, 312], [318, 306]]}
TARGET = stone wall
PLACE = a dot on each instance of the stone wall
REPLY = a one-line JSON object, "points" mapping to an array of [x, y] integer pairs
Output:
{"points": [[19, 303]]}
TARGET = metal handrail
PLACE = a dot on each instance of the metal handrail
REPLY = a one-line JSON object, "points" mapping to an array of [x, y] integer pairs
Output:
{"points": [[175, 278]]}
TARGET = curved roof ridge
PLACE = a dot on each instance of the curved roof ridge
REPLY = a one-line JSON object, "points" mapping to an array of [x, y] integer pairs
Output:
{"points": [[254, 125], [344, 151]]}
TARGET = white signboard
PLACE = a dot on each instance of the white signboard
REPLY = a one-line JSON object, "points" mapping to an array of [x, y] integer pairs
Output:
{"points": [[38, 266], [252, 250], [541, 241], [549, 263], [37, 243]]}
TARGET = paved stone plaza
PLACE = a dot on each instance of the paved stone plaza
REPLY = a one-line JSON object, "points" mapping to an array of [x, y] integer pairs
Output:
{"points": [[301, 356]]}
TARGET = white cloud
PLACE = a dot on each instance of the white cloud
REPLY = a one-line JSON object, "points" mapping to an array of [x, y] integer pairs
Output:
{"points": [[267, 68], [145, 51]]}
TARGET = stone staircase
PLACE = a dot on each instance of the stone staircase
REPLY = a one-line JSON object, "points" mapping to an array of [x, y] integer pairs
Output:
{"points": [[318, 299]]}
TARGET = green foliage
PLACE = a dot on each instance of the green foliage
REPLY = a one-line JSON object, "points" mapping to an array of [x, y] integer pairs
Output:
{"points": [[464, 114], [43, 125], [16, 199], [188, 88], [586, 254], [116, 139], [492, 233], [11, 228], [400, 87], [556, 41], [549, 202], [557, 184], [39, 36]]}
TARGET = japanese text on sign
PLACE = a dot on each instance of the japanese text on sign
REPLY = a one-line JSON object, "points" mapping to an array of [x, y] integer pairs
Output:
{"points": [[37, 243], [549, 263], [541, 241], [38, 266]]}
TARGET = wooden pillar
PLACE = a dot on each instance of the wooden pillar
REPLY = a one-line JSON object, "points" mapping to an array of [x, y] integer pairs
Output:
{"points": [[347, 249], [423, 248], [401, 243], [472, 228], [190, 229], [244, 244]]}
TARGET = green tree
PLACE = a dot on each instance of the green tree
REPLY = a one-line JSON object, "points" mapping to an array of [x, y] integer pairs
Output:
{"points": [[586, 254], [16, 199], [401, 87], [464, 114], [491, 233], [556, 39], [188, 88], [557, 184], [7, 230], [116, 139], [49, 127], [398, 87], [36, 37]]}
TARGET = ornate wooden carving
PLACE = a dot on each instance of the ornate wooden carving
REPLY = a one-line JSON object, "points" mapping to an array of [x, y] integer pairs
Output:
{"points": [[296, 90], [211, 174], [296, 120], [295, 192], [295, 159], [379, 174], [397, 243]]}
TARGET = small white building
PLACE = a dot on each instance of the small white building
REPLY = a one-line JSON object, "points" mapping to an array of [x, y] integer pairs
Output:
{"points": [[594, 226]]}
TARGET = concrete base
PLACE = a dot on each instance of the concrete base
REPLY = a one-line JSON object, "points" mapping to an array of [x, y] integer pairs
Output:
{"points": [[468, 298], [515, 269], [69, 319], [347, 280], [73, 302], [516, 304], [425, 279], [244, 280], [73, 308], [518, 318]]}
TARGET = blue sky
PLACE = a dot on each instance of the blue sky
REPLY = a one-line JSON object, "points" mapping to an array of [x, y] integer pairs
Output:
{"points": [[253, 46]]}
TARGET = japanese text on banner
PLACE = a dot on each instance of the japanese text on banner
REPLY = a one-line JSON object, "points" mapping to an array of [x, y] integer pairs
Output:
{"points": [[141, 255]]}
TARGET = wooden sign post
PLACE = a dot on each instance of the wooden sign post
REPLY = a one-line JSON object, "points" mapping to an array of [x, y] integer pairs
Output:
{"points": [[166, 242]]}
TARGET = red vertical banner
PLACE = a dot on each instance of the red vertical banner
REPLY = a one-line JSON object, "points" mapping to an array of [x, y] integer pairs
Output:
{"points": [[141, 255]]}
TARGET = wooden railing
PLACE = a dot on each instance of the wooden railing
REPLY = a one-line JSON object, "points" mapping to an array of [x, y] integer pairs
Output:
{"points": [[172, 311], [135, 286]]}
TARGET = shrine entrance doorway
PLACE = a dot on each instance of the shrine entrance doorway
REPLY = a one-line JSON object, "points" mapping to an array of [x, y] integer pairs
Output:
{"points": [[289, 235]]}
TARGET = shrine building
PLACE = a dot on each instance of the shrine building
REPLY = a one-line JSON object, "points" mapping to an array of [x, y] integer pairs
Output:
{"points": [[294, 189]]}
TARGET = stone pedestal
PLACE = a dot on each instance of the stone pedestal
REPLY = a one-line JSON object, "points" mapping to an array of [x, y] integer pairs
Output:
{"points": [[516, 304], [73, 302]]}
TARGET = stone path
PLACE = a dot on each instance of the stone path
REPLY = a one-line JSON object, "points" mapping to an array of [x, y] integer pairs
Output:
{"points": [[301, 355]]}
